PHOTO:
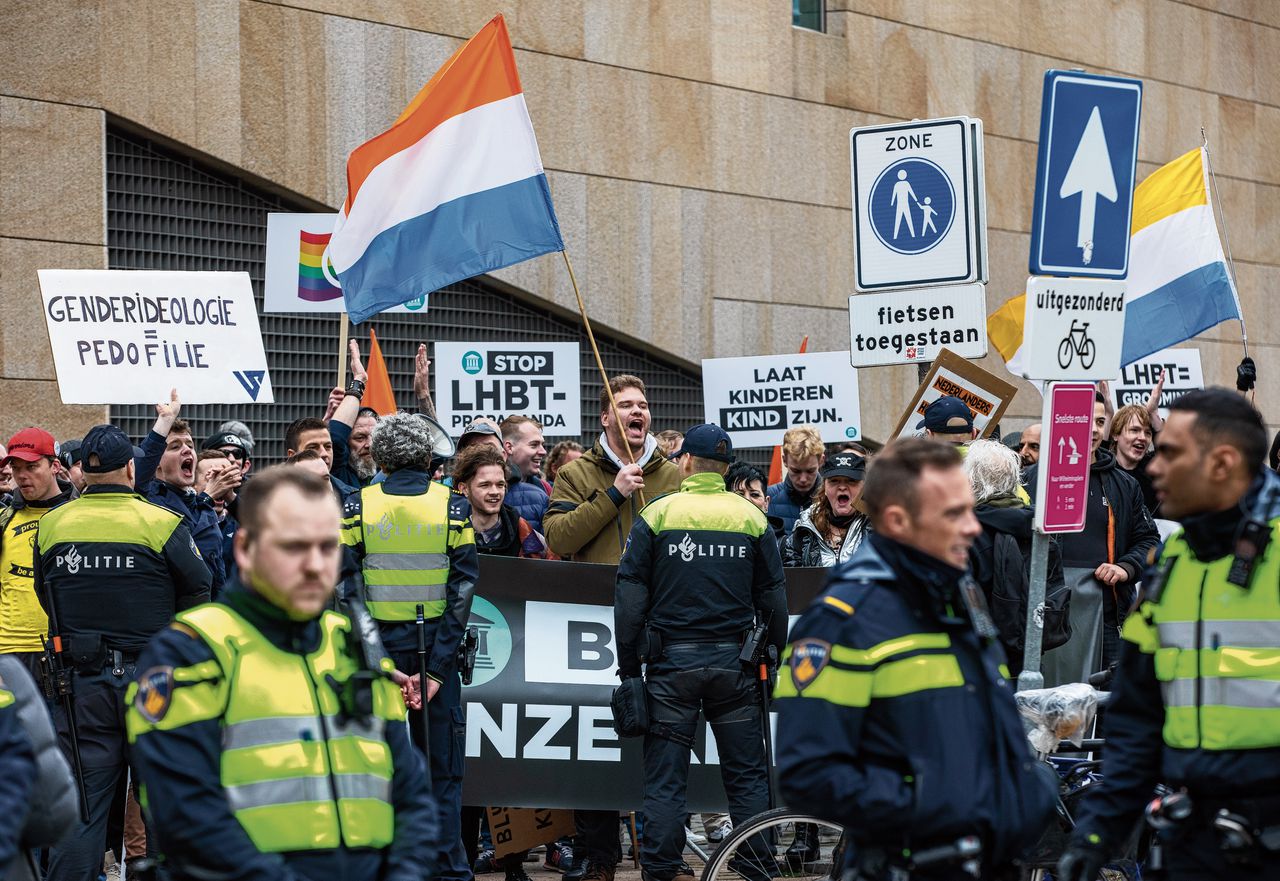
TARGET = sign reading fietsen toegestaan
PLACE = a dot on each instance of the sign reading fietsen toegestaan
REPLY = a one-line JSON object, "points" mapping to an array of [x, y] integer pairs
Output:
{"points": [[538, 725], [903, 327], [542, 381], [757, 398], [129, 336]]}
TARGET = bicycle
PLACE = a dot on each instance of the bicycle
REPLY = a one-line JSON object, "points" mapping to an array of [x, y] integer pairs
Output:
{"points": [[1075, 343]]}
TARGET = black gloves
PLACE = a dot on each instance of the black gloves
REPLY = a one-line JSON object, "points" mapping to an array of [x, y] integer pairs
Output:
{"points": [[1081, 862], [1246, 374]]}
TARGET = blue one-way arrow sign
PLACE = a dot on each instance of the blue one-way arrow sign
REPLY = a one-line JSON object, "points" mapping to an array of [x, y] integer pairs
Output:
{"points": [[1085, 175]]}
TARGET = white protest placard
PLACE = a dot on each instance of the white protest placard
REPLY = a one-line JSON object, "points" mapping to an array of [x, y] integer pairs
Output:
{"points": [[1074, 327], [1183, 373], [299, 276], [757, 398], [129, 336], [903, 327], [540, 380]]}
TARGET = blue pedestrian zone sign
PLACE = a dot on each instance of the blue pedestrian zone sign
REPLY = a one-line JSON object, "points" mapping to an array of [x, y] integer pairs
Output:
{"points": [[913, 204], [919, 214], [1085, 175]]}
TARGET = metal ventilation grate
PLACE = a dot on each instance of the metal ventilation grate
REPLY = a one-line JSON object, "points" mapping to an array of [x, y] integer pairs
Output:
{"points": [[168, 211]]}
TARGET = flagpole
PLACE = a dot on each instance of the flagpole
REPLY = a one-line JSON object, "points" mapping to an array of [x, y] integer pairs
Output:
{"points": [[1226, 240], [342, 351], [591, 337]]}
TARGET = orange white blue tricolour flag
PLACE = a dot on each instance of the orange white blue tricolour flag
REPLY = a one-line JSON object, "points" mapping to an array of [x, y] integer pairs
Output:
{"points": [[454, 189]]}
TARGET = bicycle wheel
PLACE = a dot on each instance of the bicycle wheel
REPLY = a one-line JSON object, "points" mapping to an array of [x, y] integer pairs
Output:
{"points": [[1066, 349], [1087, 353], [752, 852]]}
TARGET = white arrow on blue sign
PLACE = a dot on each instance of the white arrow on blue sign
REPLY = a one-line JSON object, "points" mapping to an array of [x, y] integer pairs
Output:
{"points": [[1085, 175]]}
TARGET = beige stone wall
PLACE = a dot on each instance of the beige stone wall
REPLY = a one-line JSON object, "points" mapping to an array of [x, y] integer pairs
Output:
{"points": [[697, 149]]}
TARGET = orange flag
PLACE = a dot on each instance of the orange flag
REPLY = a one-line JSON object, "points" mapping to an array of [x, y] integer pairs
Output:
{"points": [[775, 464], [377, 391]]}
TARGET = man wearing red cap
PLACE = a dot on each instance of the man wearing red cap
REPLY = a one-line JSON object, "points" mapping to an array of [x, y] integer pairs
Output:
{"points": [[32, 453]]}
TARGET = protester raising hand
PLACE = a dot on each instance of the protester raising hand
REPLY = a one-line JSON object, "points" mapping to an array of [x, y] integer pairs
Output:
{"points": [[1153, 403], [422, 381], [167, 413], [335, 398]]}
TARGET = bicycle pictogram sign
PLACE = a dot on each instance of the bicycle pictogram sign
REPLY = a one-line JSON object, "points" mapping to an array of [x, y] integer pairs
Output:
{"points": [[1077, 343]]}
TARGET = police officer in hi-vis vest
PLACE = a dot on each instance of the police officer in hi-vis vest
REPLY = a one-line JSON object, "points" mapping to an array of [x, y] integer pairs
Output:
{"points": [[267, 732], [111, 569], [408, 542], [1196, 701]]}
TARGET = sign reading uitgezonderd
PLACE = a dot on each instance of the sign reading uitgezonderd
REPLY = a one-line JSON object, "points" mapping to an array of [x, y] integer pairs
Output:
{"points": [[757, 398], [540, 380], [129, 336]]}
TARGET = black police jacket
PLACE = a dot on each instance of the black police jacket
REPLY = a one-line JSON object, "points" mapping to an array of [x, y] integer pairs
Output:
{"points": [[196, 827], [896, 720], [118, 566]]}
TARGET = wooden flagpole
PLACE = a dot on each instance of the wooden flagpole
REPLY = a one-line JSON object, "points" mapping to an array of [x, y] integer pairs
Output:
{"points": [[591, 337], [342, 351]]}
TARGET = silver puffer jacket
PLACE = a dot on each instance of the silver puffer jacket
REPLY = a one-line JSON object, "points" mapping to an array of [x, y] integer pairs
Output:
{"points": [[806, 547]]}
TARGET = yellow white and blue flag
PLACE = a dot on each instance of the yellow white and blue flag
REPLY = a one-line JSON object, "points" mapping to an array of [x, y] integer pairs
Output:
{"points": [[1179, 285]]}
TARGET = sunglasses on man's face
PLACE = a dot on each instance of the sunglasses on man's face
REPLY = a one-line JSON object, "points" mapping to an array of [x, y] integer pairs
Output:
{"points": [[233, 452]]}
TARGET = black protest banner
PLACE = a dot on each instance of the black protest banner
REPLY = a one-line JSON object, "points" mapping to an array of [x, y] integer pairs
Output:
{"points": [[539, 731]]}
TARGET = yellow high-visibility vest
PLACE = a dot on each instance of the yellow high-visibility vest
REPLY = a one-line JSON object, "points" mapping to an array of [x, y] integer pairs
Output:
{"points": [[1216, 649], [406, 544], [298, 776]]}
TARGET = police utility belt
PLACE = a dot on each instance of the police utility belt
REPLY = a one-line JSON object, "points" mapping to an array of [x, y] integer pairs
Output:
{"points": [[87, 654]]}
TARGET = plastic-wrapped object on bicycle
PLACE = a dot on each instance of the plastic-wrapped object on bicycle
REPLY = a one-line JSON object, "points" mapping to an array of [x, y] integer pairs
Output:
{"points": [[1064, 712]]}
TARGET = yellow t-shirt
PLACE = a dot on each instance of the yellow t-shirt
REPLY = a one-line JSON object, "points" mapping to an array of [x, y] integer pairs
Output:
{"points": [[22, 620]]}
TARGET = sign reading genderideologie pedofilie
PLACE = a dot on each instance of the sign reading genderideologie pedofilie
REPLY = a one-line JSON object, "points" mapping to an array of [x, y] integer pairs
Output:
{"points": [[757, 398], [129, 336], [903, 327], [540, 380]]}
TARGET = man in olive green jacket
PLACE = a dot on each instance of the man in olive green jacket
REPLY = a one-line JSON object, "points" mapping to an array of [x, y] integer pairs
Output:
{"points": [[594, 501], [596, 497]]}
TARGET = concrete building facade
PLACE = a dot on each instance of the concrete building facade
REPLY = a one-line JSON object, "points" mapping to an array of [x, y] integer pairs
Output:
{"points": [[697, 150]]}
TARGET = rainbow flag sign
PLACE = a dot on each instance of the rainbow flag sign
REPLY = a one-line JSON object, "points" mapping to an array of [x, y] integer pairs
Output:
{"points": [[300, 275], [314, 285], [453, 189]]}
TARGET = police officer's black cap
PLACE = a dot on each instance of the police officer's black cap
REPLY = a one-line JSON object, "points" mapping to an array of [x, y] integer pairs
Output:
{"points": [[220, 439], [110, 445], [845, 464], [707, 441]]}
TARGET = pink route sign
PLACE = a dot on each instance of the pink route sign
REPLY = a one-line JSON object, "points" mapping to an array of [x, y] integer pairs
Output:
{"points": [[1062, 490]]}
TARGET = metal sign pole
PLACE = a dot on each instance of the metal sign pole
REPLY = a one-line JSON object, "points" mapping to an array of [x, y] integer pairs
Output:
{"points": [[1033, 644], [1031, 677]]}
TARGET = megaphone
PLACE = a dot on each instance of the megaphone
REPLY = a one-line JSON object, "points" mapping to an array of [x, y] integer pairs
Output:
{"points": [[442, 446]]}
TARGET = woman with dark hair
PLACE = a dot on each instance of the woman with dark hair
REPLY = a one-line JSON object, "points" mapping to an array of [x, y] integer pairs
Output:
{"points": [[830, 530]]}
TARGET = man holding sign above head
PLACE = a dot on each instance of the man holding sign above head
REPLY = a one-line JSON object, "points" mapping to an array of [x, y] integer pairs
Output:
{"points": [[950, 420]]}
